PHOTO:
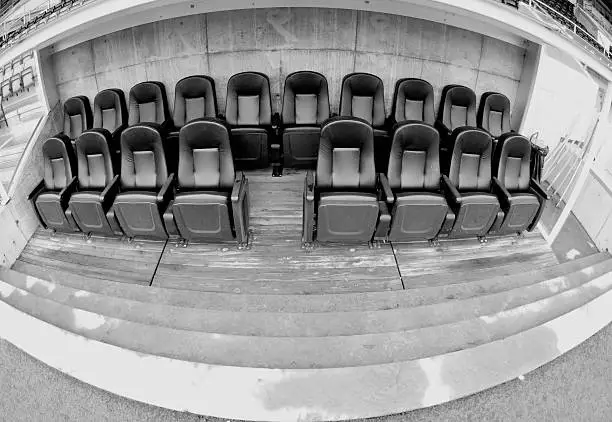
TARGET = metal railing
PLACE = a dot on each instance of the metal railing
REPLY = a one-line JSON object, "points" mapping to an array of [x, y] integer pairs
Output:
{"points": [[569, 24]]}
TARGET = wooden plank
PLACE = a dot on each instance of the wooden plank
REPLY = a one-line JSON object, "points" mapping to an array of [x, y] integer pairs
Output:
{"points": [[276, 263]]}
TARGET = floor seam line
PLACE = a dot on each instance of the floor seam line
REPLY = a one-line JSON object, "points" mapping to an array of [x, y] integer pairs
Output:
{"points": [[399, 272], [161, 255]]}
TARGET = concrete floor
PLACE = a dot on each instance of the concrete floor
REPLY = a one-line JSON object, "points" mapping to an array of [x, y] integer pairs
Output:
{"points": [[574, 387]]}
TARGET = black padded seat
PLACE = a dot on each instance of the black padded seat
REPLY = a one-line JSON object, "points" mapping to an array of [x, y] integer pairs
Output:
{"points": [[50, 198], [98, 184], [494, 114], [305, 107], [145, 186], [363, 96], [457, 109], [468, 186], [212, 202], [519, 195], [413, 186], [248, 110], [148, 104], [110, 113], [413, 99], [194, 98], [77, 116], [344, 192]]}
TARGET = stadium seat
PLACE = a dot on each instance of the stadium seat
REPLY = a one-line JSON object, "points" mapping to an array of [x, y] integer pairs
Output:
{"points": [[468, 186], [413, 185], [50, 198], [98, 185], [212, 201], [413, 99], [521, 198], [16, 84], [344, 192], [457, 109], [28, 78], [248, 110], [110, 113], [494, 114], [77, 117], [148, 104], [305, 107], [363, 96], [194, 98], [6, 88], [146, 188]]}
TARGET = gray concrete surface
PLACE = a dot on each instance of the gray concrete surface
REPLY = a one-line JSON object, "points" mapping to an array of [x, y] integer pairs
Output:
{"points": [[574, 387]]}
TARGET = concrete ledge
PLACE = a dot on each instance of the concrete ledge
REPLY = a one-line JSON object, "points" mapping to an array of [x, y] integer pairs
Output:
{"points": [[307, 394]]}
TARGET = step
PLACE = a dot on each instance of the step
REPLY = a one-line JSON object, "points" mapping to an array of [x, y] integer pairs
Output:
{"points": [[339, 302], [305, 352], [274, 324]]}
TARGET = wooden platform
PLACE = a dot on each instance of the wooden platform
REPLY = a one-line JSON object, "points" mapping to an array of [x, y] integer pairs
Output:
{"points": [[276, 264]]}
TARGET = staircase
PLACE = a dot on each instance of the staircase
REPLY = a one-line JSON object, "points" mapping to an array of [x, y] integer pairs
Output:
{"points": [[329, 356]]}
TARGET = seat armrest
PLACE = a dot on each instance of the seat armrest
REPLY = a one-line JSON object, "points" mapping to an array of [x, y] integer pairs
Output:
{"points": [[36, 191], [110, 192], [167, 190], [501, 192], [68, 191], [442, 128], [169, 223], [240, 207], [385, 189], [308, 212], [384, 222], [538, 189], [453, 197]]}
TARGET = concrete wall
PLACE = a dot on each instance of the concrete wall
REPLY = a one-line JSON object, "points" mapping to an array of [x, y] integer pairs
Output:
{"points": [[279, 41]]}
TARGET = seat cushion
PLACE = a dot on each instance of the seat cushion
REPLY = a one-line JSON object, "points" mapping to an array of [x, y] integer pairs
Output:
{"points": [[203, 215], [417, 216], [347, 216], [139, 215], [301, 146], [476, 214], [89, 213]]}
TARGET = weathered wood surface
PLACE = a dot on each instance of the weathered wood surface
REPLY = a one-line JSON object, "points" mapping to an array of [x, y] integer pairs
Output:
{"points": [[103, 258], [276, 263]]}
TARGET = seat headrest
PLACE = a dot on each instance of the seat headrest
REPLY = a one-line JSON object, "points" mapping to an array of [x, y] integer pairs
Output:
{"points": [[413, 100], [512, 160], [254, 89], [77, 116], [153, 95], [110, 111], [143, 162], [205, 155], [457, 106], [195, 97], [414, 162], [346, 155], [297, 107], [494, 113], [363, 85], [470, 167], [94, 159], [59, 162]]}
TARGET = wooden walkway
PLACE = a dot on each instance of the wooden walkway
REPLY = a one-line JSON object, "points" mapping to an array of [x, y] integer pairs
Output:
{"points": [[276, 264]]}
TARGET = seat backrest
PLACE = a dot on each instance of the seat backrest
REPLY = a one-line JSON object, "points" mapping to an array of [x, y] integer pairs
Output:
{"points": [[194, 98], [494, 113], [248, 101], [363, 96], [511, 161], [143, 163], [110, 111], [457, 107], [59, 162], [414, 163], [95, 167], [148, 103], [413, 99], [205, 155], [470, 167], [346, 155], [305, 99], [77, 116]]}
